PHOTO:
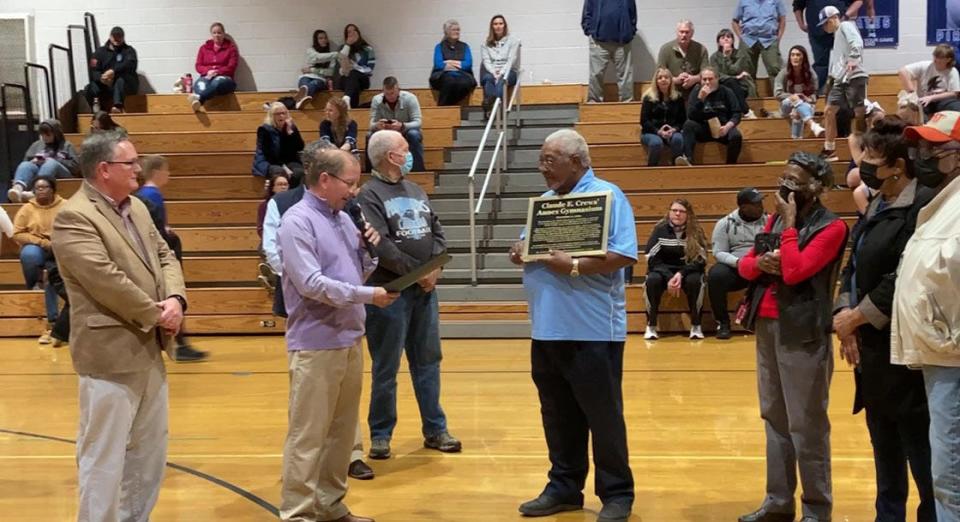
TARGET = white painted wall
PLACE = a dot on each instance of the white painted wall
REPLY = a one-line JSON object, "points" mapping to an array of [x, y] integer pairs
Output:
{"points": [[272, 34]]}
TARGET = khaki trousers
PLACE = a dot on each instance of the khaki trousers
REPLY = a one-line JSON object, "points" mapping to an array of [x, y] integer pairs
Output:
{"points": [[601, 54], [121, 444], [323, 414]]}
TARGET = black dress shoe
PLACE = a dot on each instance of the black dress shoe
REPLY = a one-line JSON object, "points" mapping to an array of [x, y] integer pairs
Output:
{"points": [[723, 331], [359, 470], [762, 515], [186, 353], [546, 505], [614, 512]]}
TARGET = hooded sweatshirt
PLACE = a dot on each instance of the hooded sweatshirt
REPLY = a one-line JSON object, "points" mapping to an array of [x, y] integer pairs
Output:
{"points": [[65, 154], [33, 223], [733, 237]]}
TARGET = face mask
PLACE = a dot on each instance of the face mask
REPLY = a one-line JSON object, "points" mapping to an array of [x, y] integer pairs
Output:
{"points": [[927, 172], [786, 187], [407, 164], [868, 175]]}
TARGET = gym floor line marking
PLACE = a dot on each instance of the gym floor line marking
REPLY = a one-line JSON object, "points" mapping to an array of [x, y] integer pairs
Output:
{"points": [[273, 510]]}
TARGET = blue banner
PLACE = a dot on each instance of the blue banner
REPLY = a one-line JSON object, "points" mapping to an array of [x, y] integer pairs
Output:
{"points": [[883, 28], [943, 22]]}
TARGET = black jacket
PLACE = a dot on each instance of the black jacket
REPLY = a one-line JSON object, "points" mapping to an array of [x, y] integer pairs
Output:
{"points": [[665, 250], [721, 103], [123, 61], [868, 280], [655, 114]]}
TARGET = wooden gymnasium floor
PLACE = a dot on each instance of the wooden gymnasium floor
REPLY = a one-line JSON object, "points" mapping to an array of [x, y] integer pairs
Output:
{"points": [[696, 440]]}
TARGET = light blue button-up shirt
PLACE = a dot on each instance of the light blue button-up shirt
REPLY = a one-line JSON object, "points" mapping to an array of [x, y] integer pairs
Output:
{"points": [[759, 21]]}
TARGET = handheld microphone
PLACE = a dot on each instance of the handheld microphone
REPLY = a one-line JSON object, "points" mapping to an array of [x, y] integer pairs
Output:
{"points": [[356, 215]]}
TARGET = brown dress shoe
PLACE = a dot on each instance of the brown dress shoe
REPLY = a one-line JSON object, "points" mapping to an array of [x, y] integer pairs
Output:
{"points": [[350, 517]]}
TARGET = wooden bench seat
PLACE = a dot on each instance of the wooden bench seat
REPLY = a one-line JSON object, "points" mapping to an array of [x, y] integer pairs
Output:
{"points": [[754, 151], [611, 132]]}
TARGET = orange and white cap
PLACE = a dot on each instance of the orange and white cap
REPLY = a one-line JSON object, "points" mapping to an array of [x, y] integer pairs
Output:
{"points": [[943, 126]]}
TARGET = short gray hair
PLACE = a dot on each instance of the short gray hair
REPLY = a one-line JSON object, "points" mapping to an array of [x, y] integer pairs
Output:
{"points": [[310, 151], [570, 142], [332, 161], [97, 148], [380, 144], [688, 23], [449, 25]]}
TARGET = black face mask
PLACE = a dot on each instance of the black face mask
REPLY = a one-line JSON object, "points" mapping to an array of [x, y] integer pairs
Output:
{"points": [[927, 172], [868, 175], [798, 197]]}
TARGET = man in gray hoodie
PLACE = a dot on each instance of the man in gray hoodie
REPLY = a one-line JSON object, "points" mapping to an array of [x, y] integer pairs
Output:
{"points": [[847, 82], [733, 237]]}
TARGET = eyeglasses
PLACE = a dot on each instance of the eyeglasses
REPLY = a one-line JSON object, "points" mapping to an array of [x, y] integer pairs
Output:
{"points": [[678, 210], [352, 186], [925, 153]]}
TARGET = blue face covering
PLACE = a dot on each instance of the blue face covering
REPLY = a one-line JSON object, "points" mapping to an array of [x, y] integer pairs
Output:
{"points": [[407, 164]]}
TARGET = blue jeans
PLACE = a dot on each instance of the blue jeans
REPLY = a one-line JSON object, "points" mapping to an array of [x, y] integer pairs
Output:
{"points": [[412, 322], [943, 398], [313, 84], [218, 86], [796, 126], [493, 88], [27, 172], [654, 144], [414, 139], [33, 259]]}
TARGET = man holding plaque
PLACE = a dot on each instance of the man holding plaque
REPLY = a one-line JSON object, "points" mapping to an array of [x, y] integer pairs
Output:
{"points": [[400, 210], [578, 314]]}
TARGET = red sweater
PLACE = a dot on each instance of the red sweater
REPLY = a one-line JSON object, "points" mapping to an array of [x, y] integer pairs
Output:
{"points": [[224, 60], [795, 265]]}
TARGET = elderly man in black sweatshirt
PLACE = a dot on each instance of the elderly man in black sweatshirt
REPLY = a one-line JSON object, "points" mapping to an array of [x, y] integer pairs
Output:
{"points": [[712, 105], [113, 73]]}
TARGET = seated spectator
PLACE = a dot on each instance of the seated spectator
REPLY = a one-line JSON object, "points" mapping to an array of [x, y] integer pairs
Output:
{"points": [[930, 85], [661, 118], [759, 25], [501, 62], [319, 71], [278, 146], [796, 89], [102, 122], [684, 57], [33, 225], [338, 127], [153, 176], [398, 110], [113, 68], [276, 184], [733, 68], [713, 114], [676, 258], [217, 64], [357, 61], [51, 156], [733, 237], [452, 74]]}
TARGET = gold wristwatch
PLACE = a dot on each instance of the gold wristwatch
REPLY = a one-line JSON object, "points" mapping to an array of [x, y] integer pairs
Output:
{"points": [[575, 269]]}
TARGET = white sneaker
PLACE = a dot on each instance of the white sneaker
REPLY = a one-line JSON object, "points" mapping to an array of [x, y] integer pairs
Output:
{"points": [[301, 93], [696, 332], [682, 161], [302, 101], [14, 193], [750, 115], [195, 102], [651, 334], [817, 129], [346, 99], [26, 195]]}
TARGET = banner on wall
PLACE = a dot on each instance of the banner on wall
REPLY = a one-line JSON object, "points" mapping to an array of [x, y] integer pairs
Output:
{"points": [[943, 22], [883, 30]]}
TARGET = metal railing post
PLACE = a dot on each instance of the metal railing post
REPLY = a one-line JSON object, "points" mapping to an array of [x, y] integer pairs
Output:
{"points": [[46, 78], [473, 236]]}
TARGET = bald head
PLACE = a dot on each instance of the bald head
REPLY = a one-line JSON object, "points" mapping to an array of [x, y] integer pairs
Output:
{"points": [[387, 150]]}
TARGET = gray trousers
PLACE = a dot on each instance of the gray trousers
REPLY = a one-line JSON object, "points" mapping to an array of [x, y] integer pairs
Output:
{"points": [[122, 444], [601, 53], [794, 386]]}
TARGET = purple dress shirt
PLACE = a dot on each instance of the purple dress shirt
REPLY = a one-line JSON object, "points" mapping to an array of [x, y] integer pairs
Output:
{"points": [[324, 267]]}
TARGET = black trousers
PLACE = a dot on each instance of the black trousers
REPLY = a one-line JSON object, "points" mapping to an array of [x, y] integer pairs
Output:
{"points": [[721, 280], [896, 442], [352, 84], [279, 306], [453, 87], [61, 327], [656, 285], [112, 95], [739, 91], [695, 131], [579, 384]]}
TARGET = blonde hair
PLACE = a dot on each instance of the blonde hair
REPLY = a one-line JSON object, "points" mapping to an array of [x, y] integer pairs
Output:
{"points": [[343, 117], [271, 112], [149, 165], [653, 92]]}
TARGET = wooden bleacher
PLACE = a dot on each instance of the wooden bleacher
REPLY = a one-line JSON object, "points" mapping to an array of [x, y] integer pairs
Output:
{"points": [[212, 198]]}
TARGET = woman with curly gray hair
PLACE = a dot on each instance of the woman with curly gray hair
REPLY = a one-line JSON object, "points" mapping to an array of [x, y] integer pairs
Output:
{"points": [[793, 272]]}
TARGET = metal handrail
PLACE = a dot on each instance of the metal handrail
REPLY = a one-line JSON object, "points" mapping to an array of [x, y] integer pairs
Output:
{"points": [[53, 71], [90, 22], [46, 77], [498, 162], [5, 109], [88, 50]]}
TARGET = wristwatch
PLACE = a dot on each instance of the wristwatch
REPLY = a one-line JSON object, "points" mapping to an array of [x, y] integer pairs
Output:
{"points": [[182, 301], [575, 269]]}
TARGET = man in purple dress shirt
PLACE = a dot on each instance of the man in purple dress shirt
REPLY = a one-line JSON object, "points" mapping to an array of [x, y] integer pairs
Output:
{"points": [[325, 263]]}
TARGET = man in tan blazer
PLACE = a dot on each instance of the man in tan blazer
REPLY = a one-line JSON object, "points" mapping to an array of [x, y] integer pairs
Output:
{"points": [[127, 300]]}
